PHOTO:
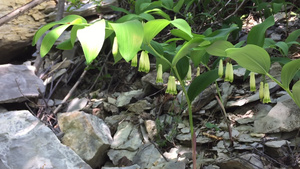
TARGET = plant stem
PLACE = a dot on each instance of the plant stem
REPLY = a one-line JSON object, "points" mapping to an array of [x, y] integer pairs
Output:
{"points": [[182, 84], [280, 84]]}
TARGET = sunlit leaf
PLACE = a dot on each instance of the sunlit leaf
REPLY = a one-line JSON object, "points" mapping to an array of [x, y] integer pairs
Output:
{"points": [[185, 49], [181, 34], [296, 93], [218, 48], [288, 72], [182, 25], [221, 34], [65, 20], [91, 39], [178, 6], [199, 56], [152, 28], [158, 12], [130, 37], [256, 35], [251, 57], [201, 82], [50, 39]]}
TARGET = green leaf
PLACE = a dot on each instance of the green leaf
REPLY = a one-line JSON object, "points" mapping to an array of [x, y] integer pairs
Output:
{"points": [[50, 39], [182, 67], [66, 45], [159, 12], [201, 82], [218, 48], [269, 43], [130, 37], [293, 37], [182, 25], [65, 20], [281, 60], [178, 6], [296, 93], [168, 3], [128, 17], [185, 49], [146, 16], [91, 39], [288, 72], [257, 34], [115, 8], [152, 28], [284, 47], [139, 5], [221, 34], [199, 56], [251, 57], [181, 34]]}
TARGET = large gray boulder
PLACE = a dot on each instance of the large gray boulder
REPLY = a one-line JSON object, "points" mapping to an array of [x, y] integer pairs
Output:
{"points": [[87, 135], [284, 117], [27, 143], [19, 83]]}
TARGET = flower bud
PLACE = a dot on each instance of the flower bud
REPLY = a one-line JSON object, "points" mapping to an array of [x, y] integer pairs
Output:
{"points": [[261, 90], [252, 82], [115, 47], [198, 71], [189, 73], [226, 79], [134, 61], [144, 65], [171, 88], [266, 94], [220, 72], [231, 75], [159, 74]]}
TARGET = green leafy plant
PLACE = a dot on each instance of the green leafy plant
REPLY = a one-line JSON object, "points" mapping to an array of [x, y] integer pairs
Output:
{"points": [[132, 36]]}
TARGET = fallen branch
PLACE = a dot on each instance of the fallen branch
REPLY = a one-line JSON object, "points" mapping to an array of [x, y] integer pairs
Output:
{"points": [[20, 11]]}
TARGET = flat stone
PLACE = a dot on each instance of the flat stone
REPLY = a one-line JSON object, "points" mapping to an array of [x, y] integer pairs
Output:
{"points": [[77, 104], [116, 155], [127, 137], [125, 98], [284, 117], [25, 142], [87, 135], [253, 162], [18, 83]]}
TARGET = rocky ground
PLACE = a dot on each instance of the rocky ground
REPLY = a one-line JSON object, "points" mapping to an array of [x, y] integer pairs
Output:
{"points": [[120, 118]]}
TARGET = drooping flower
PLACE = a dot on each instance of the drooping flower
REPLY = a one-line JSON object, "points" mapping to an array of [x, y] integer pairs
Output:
{"points": [[252, 82], [226, 79], [171, 88], [261, 90], [220, 72], [134, 61], [198, 71], [115, 47], [229, 73], [144, 65], [159, 74], [266, 94], [189, 73]]}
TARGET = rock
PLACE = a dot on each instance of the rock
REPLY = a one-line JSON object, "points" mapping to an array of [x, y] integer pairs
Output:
{"points": [[116, 155], [247, 138], [88, 9], [147, 156], [151, 128], [110, 108], [125, 98], [18, 33], [283, 117], [135, 166], [18, 83], [203, 98], [277, 143], [252, 162], [27, 143], [139, 106], [150, 80], [127, 137], [87, 135], [77, 104]]}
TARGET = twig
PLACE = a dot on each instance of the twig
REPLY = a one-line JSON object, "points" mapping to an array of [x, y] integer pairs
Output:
{"points": [[70, 92], [227, 121], [19, 11]]}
